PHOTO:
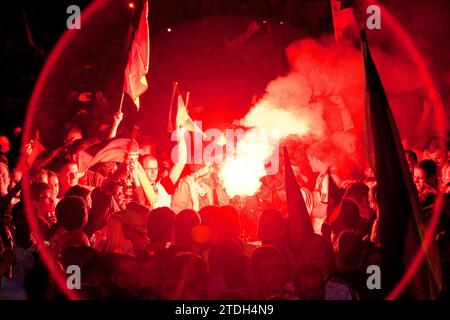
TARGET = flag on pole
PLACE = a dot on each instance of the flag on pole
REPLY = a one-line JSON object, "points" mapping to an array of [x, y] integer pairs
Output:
{"points": [[181, 118], [344, 20], [401, 226], [135, 82], [300, 225], [335, 194]]}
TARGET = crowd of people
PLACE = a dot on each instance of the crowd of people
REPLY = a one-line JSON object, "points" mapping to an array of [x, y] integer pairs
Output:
{"points": [[145, 228]]}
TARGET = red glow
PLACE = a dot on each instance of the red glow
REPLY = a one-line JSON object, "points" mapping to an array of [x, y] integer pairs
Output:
{"points": [[201, 235], [410, 46]]}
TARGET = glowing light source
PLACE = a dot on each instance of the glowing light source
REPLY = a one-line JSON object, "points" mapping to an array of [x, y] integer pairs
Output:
{"points": [[222, 140], [131, 5], [169, 29], [242, 171]]}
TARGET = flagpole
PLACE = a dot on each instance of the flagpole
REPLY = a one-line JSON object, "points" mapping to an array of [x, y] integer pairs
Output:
{"points": [[174, 91], [121, 101], [188, 94]]}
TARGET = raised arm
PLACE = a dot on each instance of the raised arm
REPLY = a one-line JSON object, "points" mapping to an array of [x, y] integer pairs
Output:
{"points": [[118, 116], [182, 157]]}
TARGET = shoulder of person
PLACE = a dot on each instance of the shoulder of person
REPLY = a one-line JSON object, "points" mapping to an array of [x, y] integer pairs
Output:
{"points": [[337, 289]]}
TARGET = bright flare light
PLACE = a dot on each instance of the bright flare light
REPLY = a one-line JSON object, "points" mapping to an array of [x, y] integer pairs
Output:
{"points": [[241, 172]]}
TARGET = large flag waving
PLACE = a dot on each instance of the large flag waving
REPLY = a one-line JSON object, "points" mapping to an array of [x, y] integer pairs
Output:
{"points": [[135, 82], [401, 229], [300, 225]]}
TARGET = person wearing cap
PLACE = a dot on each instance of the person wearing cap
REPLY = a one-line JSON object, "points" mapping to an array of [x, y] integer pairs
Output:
{"points": [[134, 226]]}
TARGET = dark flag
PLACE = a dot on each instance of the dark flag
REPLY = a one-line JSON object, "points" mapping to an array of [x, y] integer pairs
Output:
{"points": [[335, 194], [299, 221], [401, 228]]}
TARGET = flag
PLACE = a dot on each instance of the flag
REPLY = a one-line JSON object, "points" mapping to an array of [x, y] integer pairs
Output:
{"points": [[300, 225], [401, 229], [335, 194], [182, 118], [240, 40], [344, 20], [33, 149], [110, 150], [135, 82]]}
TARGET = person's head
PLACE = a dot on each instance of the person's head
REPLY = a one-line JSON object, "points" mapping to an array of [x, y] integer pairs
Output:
{"points": [[184, 222], [348, 219], [411, 158], [124, 270], [192, 269], [369, 175], [200, 171], [209, 216], [446, 174], [22, 234], [349, 250], [433, 145], [220, 253], [16, 176], [268, 272], [96, 271], [319, 156], [41, 198], [436, 150], [53, 183], [272, 227], [160, 225], [425, 173], [134, 220], [358, 191], [41, 176], [106, 168], [309, 283], [4, 176], [316, 251], [150, 165], [71, 213], [148, 273], [373, 197], [68, 175], [5, 145], [77, 255], [133, 154], [82, 192], [228, 222], [73, 134]]}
